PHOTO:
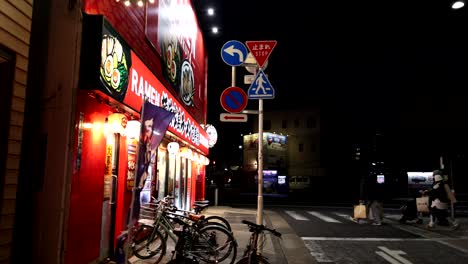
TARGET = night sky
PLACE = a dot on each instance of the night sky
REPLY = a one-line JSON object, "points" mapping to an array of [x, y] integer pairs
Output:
{"points": [[399, 67]]}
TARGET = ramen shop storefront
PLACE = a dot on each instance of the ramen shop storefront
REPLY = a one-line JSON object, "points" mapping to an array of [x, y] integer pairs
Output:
{"points": [[113, 84]]}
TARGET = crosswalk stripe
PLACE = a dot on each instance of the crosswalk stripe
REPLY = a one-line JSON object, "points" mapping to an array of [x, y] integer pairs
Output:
{"points": [[345, 216], [296, 216], [395, 217], [317, 252], [323, 217]]}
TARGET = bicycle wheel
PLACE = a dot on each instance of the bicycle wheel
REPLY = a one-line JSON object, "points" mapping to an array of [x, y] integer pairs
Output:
{"points": [[214, 244], [257, 260], [153, 245], [218, 220]]}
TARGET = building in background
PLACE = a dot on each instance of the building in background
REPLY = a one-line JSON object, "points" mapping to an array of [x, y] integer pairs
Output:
{"points": [[291, 145]]}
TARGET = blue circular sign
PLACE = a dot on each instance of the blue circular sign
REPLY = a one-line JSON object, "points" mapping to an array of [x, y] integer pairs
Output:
{"points": [[234, 53], [234, 99]]}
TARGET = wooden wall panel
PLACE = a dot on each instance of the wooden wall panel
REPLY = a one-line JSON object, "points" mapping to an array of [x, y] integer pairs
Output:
{"points": [[15, 31]]}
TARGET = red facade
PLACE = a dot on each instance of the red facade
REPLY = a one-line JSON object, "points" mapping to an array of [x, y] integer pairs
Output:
{"points": [[86, 228], [130, 22]]}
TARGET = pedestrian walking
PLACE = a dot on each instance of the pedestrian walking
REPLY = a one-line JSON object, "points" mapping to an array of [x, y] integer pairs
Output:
{"points": [[440, 196], [375, 193], [376, 198]]}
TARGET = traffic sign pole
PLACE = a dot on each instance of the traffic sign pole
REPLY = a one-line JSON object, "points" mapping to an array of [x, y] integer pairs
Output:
{"points": [[260, 163], [233, 76], [234, 53]]}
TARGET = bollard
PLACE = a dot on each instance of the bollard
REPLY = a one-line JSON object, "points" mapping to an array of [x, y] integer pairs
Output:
{"points": [[216, 197]]}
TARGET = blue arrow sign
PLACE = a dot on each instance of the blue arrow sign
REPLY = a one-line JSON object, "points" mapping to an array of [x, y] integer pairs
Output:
{"points": [[234, 52], [261, 88]]}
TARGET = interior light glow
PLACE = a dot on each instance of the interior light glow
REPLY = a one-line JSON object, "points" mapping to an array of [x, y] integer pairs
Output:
{"points": [[87, 125]]}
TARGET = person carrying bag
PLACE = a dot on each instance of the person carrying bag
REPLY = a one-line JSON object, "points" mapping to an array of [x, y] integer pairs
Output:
{"points": [[440, 197], [360, 211]]}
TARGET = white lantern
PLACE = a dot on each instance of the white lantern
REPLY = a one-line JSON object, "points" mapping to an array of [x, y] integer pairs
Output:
{"points": [[212, 135], [133, 129], [117, 123], [189, 154], [173, 148]]}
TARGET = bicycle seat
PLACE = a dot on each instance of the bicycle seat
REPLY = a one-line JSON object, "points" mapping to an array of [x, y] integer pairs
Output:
{"points": [[200, 206], [202, 202], [196, 217]]}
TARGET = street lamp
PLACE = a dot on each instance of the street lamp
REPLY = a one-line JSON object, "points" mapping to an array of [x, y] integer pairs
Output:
{"points": [[210, 11], [458, 4]]}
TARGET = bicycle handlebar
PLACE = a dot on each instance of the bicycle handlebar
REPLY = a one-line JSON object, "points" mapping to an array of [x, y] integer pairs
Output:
{"points": [[261, 228]]}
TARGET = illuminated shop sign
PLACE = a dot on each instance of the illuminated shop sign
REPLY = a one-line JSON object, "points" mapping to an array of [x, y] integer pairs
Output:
{"points": [[172, 28], [419, 179], [275, 138], [124, 77], [143, 83]]}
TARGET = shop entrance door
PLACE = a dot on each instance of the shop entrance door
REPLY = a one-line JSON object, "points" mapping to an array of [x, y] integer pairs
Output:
{"points": [[110, 193]]}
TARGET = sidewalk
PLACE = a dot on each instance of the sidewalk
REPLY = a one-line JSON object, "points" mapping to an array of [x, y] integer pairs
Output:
{"points": [[288, 250]]}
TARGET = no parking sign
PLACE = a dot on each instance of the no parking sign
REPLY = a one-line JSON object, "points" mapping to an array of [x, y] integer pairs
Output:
{"points": [[234, 99]]}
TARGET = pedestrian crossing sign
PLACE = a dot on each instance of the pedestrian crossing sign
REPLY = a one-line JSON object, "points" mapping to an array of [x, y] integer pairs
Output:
{"points": [[261, 87]]}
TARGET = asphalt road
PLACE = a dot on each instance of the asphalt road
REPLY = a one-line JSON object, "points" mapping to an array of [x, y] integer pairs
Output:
{"points": [[332, 237]]}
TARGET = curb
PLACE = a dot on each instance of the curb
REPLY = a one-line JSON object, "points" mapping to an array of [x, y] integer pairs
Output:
{"points": [[292, 247]]}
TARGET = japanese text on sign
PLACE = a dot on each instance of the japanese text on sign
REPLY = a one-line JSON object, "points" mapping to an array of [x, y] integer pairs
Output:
{"points": [[261, 49]]}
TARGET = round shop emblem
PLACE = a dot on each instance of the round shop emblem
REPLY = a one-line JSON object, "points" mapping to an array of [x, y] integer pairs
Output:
{"points": [[212, 135]]}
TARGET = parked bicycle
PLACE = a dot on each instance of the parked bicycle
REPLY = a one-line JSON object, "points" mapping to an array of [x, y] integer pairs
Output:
{"points": [[201, 240], [199, 207], [253, 250]]}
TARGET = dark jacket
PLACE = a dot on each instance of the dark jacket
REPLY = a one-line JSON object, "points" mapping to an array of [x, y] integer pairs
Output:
{"points": [[375, 191], [438, 193]]}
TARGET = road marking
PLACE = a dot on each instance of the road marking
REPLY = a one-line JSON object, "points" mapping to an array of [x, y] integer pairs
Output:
{"points": [[349, 218], [342, 215], [323, 217], [444, 242], [433, 236], [393, 256], [317, 252], [296, 216], [387, 257], [394, 217], [364, 239]]}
